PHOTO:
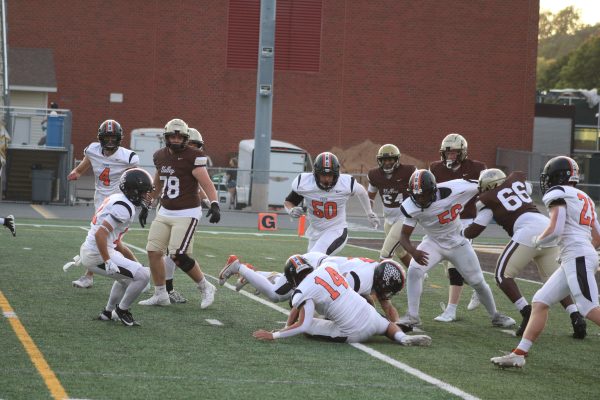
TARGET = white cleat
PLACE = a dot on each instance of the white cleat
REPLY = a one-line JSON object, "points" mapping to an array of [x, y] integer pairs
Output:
{"points": [[446, 316], [84, 282], [510, 360], [503, 321], [240, 283], [231, 268], [75, 263], [474, 302], [409, 320], [162, 300], [207, 295], [415, 340]]}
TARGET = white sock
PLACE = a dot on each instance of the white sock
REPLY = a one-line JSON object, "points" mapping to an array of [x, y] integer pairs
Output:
{"points": [[485, 297], [169, 267], [414, 288], [1, 221], [521, 303], [525, 345], [398, 336], [158, 290], [451, 308], [571, 309]]}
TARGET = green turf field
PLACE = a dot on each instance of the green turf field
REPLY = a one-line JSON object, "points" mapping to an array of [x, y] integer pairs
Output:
{"points": [[178, 354]]}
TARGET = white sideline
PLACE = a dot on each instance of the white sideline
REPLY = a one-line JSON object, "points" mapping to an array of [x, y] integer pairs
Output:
{"points": [[372, 352]]}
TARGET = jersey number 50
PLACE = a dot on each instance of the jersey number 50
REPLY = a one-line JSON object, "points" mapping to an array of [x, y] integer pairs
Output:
{"points": [[324, 210]]}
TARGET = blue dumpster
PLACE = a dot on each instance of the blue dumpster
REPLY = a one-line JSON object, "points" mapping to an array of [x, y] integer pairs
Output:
{"points": [[54, 134]]}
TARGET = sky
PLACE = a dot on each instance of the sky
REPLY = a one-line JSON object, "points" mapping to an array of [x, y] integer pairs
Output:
{"points": [[589, 9]]}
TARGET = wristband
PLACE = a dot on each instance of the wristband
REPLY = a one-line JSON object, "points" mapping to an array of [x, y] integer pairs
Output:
{"points": [[276, 335]]}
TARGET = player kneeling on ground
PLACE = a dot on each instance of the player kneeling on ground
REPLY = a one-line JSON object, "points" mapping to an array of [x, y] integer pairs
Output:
{"points": [[98, 252], [349, 318]]}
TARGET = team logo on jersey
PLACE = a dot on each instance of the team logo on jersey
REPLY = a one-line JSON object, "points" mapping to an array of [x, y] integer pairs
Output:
{"points": [[167, 170]]}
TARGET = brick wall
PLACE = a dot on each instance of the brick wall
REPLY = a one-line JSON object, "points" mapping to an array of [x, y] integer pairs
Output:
{"points": [[395, 71]]}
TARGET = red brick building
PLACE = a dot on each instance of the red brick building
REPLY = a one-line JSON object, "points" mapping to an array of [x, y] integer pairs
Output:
{"points": [[406, 72]]}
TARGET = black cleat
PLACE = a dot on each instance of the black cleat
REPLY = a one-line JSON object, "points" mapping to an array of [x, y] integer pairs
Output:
{"points": [[9, 222], [526, 313], [105, 316], [125, 317], [579, 325]]}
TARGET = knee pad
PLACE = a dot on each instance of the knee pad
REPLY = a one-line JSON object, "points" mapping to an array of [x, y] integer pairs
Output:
{"points": [[183, 261], [455, 277]]}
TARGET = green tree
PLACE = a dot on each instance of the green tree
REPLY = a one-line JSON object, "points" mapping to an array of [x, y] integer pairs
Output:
{"points": [[549, 77], [582, 70], [567, 21]]}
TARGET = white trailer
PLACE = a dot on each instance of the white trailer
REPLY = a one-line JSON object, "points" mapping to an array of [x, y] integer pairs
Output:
{"points": [[287, 161]]}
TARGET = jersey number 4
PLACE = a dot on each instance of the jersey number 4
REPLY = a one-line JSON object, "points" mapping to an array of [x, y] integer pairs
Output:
{"points": [[337, 279], [104, 177]]}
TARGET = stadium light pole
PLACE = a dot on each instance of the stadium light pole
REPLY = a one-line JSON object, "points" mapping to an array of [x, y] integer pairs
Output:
{"points": [[264, 107]]}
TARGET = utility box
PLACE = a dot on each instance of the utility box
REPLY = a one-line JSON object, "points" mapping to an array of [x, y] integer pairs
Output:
{"points": [[41, 185]]}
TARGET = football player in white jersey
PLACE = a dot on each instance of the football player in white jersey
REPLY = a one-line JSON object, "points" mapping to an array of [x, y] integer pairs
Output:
{"points": [[349, 317], [99, 251], [573, 222], [108, 161], [371, 279], [436, 209], [327, 192]]}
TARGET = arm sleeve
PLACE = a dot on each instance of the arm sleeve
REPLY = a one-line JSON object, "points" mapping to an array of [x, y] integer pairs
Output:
{"points": [[558, 228], [294, 198], [484, 217], [309, 312], [363, 198]]}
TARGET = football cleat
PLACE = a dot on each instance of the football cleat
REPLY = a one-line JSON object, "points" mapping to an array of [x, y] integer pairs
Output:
{"points": [[502, 321], [409, 320], [415, 340], [446, 316], [207, 295], [84, 282], [240, 283], [579, 325], [474, 302], [526, 313], [9, 222], [231, 268], [162, 300], [125, 317], [75, 263], [510, 360], [107, 316], [176, 298]]}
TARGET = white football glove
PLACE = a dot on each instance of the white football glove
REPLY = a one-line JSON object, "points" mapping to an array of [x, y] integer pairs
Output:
{"points": [[373, 220], [295, 212], [111, 267], [534, 241]]}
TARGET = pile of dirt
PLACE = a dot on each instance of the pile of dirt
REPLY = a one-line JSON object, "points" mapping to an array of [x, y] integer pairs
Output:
{"points": [[360, 158]]}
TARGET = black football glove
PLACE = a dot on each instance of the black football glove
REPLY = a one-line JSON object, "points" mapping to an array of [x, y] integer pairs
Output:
{"points": [[214, 213], [143, 216]]}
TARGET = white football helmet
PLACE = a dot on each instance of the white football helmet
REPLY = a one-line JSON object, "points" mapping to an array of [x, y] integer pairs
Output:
{"points": [[176, 126], [195, 138], [388, 151], [490, 179], [453, 142]]}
